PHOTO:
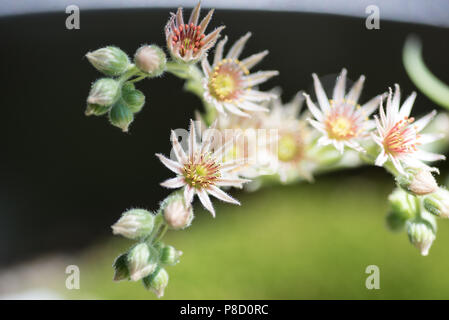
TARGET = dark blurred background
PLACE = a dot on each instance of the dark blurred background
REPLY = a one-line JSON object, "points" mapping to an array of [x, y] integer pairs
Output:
{"points": [[65, 178]]}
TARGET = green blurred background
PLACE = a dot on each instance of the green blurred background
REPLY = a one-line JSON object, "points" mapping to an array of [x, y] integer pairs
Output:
{"points": [[289, 242]]}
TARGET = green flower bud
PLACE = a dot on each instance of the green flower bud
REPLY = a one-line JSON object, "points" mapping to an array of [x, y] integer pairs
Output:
{"points": [[169, 256], [110, 60], [121, 268], [157, 281], [97, 110], [121, 116], [133, 98], [134, 224], [142, 261], [150, 59], [104, 92], [421, 235], [396, 221], [176, 213], [438, 203], [402, 204], [418, 182]]}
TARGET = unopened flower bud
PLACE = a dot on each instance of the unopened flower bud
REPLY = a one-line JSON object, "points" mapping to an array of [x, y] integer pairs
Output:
{"points": [[134, 224], [169, 256], [151, 60], [121, 268], [157, 281], [142, 261], [438, 203], [421, 235], [97, 110], [110, 60], [121, 116], [177, 214], [133, 98], [104, 92], [402, 204], [418, 182]]}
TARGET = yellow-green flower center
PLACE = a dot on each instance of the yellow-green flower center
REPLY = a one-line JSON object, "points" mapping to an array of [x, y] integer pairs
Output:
{"points": [[201, 174], [224, 85], [225, 80], [340, 128], [288, 148]]}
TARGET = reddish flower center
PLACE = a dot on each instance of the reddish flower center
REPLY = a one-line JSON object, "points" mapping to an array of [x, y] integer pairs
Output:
{"points": [[188, 37], [401, 139]]}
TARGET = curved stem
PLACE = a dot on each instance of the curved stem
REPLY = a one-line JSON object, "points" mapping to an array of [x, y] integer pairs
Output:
{"points": [[421, 76]]}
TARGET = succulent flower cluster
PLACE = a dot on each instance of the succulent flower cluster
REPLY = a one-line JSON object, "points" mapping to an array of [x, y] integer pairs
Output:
{"points": [[247, 137]]}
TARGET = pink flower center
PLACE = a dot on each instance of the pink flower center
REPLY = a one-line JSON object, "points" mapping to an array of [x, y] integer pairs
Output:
{"points": [[401, 139], [189, 37]]}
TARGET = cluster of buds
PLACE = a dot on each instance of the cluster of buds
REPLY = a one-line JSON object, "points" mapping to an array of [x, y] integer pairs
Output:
{"points": [[116, 94], [147, 259], [415, 204]]}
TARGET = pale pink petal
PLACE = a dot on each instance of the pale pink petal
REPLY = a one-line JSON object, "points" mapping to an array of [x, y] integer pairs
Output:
{"points": [[233, 109], [231, 182], [220, 194], [170, 164], [179, 152], [339, 89], [195, 14], [238, 46], [174, 183], [425, 138], [424, 121], [254, 59], [205, 200], [259, 77], [407, 106], [219, 51], [323, 101], [313, 108], [189, 192], [381, 159], [354, 94], [428, 156], [192, 141]]}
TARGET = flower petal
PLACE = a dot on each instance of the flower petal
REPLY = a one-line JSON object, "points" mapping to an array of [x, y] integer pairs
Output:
{"points": [[220, 194], [238, 46], [174, 183], [339, 89], [323, 101], [189, 192], [354, 94], [313, 108], [254, 59], [179, 152], [219, 51], [205, 200], [170, 164]]}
